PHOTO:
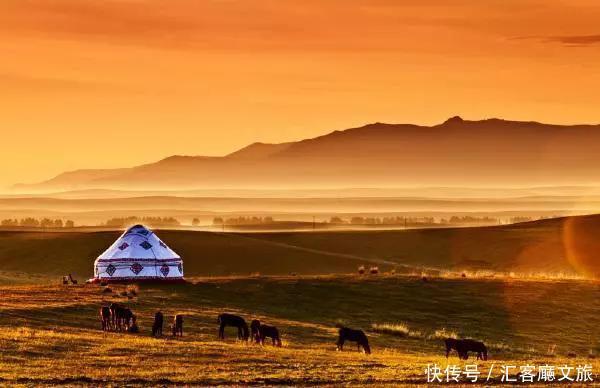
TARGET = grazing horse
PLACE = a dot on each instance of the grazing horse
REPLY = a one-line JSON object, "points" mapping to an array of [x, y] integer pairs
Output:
{"points": [[235, 321], [120, 316], [127, 318], [177, 327], [464, 346], [116, 316], [133, 328], [358, 336], [260, 332], [157, 326], [105, 318]]}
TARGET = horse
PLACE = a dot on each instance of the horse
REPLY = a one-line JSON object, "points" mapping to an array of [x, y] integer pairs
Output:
{"points": [[464, 346], [116, 316], [120, 316], [358, 336], [133, 328], [260, 332], [105, 318], [157, 326], [127, 317], [177, 327], [235, 321]]}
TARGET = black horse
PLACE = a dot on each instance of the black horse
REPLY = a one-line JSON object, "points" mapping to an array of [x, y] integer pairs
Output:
{"points": [[358, 336], [177, 327], [464, 346], [105, 318], [127, 318], [117, 312], [133, 327], [120, 317], [235, 321], [260, 332], [157, 326]]}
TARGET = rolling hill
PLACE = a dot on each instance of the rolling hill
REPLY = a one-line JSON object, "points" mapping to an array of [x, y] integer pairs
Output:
{"points": [[558, 246], [456, 152]]}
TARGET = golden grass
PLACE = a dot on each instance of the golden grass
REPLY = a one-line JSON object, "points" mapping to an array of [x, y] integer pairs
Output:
{"points": [[50, 335], [398, 329], [443, 333], [512, 251]]}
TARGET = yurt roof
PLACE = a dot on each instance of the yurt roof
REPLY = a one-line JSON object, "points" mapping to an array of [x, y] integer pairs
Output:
{"points": [[138, 242]]}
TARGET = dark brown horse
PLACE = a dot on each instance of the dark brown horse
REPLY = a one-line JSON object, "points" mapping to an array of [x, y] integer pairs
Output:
{"points": [[177, 328], [157, 326], [259, 332], [116, 316], [464, 346], [225, 320], [105, 318], [358, 336], [133, 327], [120, 317], [127, 318]]}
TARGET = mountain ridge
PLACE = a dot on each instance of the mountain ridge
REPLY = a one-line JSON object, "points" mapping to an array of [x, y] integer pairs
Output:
{"points": [[376, 153]]}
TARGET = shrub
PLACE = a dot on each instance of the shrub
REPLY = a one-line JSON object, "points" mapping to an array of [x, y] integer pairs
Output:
{"points": [[443, 334], [133, 290], [397, 329]]}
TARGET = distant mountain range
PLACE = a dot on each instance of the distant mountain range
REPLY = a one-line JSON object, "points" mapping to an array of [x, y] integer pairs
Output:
{"points": [[457, 152]]}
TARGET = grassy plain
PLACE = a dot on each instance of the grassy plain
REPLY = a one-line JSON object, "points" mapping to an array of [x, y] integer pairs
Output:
{"points": [[565, 246], [50, 334]]}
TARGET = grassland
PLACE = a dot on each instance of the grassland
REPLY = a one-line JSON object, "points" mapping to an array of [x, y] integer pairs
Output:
{"points": [[565, 246], [50, 334]]}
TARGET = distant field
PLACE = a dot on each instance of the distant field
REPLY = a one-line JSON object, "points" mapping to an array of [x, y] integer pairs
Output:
{"points": [[50, 334], [97, 209], [551, 247]]}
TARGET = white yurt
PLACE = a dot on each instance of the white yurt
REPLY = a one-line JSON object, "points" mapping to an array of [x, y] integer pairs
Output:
{"points": [[138, 255]]}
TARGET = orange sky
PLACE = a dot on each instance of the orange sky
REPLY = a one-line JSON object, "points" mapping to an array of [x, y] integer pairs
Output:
{"points": [[86, 84]]}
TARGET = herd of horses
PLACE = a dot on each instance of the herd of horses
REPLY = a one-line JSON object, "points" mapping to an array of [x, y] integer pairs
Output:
{"points": [[116, 317]]}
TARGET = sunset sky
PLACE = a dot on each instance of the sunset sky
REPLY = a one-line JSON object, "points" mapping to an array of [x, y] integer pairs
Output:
{"points": [[114, 83]]}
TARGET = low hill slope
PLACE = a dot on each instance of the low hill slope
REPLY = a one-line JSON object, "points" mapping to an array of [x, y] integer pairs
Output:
{"points": [[204, 253], [561, 245], [564, 245]]}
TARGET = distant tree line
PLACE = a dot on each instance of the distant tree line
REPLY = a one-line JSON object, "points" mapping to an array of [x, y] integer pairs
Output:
{"points": [[514, 220], [408, 221], [31, 222], [120, 222], [470, 220], [429, 221], [243, 221]]}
